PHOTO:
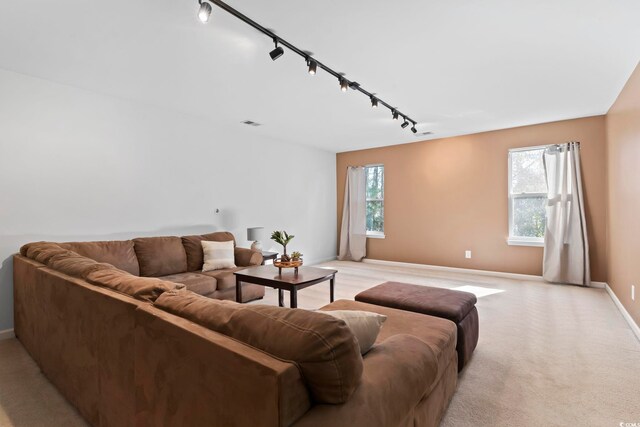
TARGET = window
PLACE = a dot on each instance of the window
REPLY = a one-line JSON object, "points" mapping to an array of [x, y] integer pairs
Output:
{"points": [[527, 196], [375, 200]]}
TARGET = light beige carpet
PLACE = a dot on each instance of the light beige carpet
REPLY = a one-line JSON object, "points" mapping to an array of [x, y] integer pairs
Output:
{"points": [[548, 355]]}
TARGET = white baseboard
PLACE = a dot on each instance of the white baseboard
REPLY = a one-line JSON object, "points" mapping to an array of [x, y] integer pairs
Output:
{"points": [[633, 325], [7, 334], [454, 269], [515, 276], [321, 260]]}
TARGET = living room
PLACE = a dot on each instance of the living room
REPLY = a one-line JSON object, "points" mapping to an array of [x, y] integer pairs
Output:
{"points": [[410, 150]]}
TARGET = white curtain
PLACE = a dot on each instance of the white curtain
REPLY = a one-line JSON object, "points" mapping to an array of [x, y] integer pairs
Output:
{"points": [[566, 249], [353, 234]]}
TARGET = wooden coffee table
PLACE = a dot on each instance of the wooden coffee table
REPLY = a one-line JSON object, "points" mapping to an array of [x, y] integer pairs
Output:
{"points": [[267, 275]]}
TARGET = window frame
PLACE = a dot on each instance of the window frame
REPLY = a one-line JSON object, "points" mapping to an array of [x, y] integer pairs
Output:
{"points": [[520, 240], [376, 234]]}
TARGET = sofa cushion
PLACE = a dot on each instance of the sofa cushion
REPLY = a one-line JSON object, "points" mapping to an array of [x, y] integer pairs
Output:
{"points": [[199, 283], [193, 247], [225, 278], [75, 265], [323, 347], [42, 251], [142, 288], [160, 256], [120, 254]]}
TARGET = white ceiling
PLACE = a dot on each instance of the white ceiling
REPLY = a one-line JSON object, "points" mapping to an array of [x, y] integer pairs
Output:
{"points": [[457, 67]]}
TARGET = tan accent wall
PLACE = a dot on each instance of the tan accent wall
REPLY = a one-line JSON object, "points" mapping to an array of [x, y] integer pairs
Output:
{"points": [[448, 195], [623, 133]]}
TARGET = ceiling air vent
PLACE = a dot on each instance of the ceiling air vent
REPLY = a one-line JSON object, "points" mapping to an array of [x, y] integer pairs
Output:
{"points": [[427, 133], [251, 123]]}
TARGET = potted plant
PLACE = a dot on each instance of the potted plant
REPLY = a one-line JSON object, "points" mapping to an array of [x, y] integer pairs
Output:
{"points": [[283, 238], [296, 256]]}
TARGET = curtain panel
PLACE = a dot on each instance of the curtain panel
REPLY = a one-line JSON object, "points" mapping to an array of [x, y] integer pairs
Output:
{"points": [[566, 247], [353, 233]]}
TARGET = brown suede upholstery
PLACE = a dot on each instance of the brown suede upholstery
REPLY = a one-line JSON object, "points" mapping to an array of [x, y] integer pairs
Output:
{"points": [[123, 362], [247, 257], [142, 288], [225, 278], [26, 309], [439, 334], [120, 254], [193, 247], [196, 282], [160, 256], [250, 292], [193, 376], [456, 306], [324, 347], [439, 381], [398, 374], [42, 251], [76, 265], [81, 336]]}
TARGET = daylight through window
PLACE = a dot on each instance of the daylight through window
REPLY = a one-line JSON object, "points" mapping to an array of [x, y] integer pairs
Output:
{"points": [[375, 200], [527, 196]]}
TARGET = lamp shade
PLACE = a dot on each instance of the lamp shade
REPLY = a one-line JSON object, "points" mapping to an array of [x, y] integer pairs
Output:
{"points": [[254, 233]]}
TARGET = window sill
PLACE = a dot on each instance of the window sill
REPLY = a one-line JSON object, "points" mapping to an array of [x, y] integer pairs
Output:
{"points": [[525, 242], [375, 235]]}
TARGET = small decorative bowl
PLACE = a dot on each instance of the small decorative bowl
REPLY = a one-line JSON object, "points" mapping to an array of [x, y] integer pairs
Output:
{"points": [[287, 264]]}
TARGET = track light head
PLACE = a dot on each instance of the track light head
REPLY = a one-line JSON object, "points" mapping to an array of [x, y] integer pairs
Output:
{"points": [[404, 124], [313, 66], [344, 84], [374, 102], [394, 115], [205, 12], [413, 128], [277, 52]]}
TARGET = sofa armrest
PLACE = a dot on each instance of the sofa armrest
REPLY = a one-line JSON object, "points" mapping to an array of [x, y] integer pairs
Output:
{"points": [[398, 373], [247, 257], [188, 375]]}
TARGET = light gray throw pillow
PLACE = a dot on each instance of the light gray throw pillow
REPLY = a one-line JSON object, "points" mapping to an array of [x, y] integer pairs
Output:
{"points": [[363, 324]]}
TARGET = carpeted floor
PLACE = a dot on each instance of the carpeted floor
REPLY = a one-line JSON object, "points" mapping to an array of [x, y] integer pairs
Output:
{"points": [[548, 355]]}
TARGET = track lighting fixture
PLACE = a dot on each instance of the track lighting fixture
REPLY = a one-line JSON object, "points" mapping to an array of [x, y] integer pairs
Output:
{"points": [[205, 12], [344, 84], [313, 66], [277, 52]]}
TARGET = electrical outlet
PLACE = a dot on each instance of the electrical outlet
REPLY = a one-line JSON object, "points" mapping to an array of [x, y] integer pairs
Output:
{"points": [[633, 292], [467, 254]]}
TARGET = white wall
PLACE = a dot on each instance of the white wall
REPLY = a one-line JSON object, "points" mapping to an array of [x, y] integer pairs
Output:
{"points": [[76, 165]]}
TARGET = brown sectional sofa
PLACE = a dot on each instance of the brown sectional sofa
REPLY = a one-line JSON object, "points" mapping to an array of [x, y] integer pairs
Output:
{"points": [[133, 333]]}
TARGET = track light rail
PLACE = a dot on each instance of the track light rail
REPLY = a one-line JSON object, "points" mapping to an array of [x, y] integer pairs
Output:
{"points": [[279, 41]]}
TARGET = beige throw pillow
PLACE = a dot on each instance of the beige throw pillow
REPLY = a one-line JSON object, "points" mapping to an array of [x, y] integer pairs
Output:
{"points": [[217, 255], [364, 325]]}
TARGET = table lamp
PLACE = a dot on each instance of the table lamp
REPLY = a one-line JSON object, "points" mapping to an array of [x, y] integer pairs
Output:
{"points": [[255, 234]]}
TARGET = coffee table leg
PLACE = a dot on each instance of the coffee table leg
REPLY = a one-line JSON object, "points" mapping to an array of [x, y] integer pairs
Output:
{"points": [[238, 290], [280, 298], [331, 286], [294, 298]]}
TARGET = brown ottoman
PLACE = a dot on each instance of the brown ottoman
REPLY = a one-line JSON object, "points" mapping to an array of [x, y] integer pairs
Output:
{"points": [[457, 306]]}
